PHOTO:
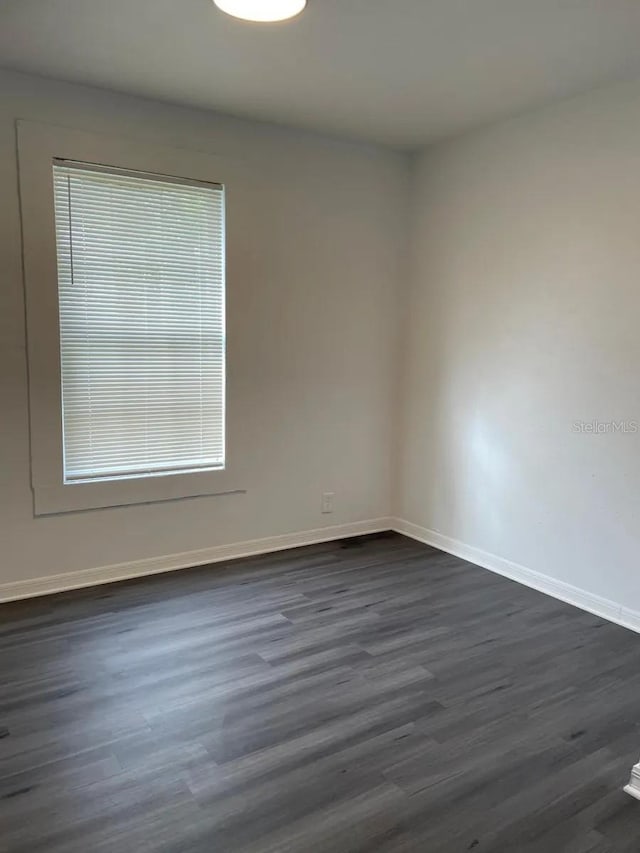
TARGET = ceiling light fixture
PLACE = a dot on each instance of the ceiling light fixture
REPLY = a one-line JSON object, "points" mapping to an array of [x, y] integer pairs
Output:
{"points": [[262, 10]]}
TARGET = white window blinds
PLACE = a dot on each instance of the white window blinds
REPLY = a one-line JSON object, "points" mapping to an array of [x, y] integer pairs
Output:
{"points": [[142, 340]]}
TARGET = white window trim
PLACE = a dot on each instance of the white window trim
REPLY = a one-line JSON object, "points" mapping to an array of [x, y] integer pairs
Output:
{"points": [[38, 145]]}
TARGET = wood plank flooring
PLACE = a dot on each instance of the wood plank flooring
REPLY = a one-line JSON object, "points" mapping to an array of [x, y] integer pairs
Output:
{"points": [[367, 695]]}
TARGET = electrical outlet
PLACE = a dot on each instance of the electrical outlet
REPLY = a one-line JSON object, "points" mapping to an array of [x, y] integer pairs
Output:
{"points": [[327, 502]]}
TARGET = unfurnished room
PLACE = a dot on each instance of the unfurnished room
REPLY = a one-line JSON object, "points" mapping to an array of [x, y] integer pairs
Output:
{"points": [[319, 426]]}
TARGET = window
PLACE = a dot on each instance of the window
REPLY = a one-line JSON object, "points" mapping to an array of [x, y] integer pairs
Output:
{"points": [[124, 272], [141, 312]]}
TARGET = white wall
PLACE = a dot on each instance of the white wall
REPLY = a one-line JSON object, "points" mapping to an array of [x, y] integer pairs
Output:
{"points": [[520, 317], [312, 337], [523, 317]]}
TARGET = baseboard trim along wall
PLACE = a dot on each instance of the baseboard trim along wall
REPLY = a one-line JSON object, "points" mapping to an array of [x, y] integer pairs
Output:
{"points": [[187, 559], [173, 562], [595, 604], [633, 787]]}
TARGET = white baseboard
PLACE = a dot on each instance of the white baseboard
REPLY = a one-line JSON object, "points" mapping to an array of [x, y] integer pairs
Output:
{"points": [[633, 787], [187, 559], [156, 565], [543, 583]]}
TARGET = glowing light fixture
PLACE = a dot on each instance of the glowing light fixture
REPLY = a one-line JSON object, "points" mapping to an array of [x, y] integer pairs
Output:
{"points": [[262, 10]]}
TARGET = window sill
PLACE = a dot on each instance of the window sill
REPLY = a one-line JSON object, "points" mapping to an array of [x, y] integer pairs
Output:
{"points": [[82, 496]]}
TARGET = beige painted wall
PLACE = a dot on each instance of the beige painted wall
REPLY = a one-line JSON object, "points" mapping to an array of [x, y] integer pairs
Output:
{"points": [[523, 317], [311, 351]]}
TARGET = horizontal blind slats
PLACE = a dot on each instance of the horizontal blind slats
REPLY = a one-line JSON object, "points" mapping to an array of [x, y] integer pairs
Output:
{"points": [[141, 295]]}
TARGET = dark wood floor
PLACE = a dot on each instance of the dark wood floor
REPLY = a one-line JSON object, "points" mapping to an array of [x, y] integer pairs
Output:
{"points": [[369, 695]]}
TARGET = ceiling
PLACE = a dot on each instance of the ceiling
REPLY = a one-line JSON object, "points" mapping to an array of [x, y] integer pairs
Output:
{"points": [[397, 72]]}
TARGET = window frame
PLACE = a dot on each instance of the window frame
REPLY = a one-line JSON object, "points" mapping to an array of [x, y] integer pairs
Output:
{"points": [[38, 146]]}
